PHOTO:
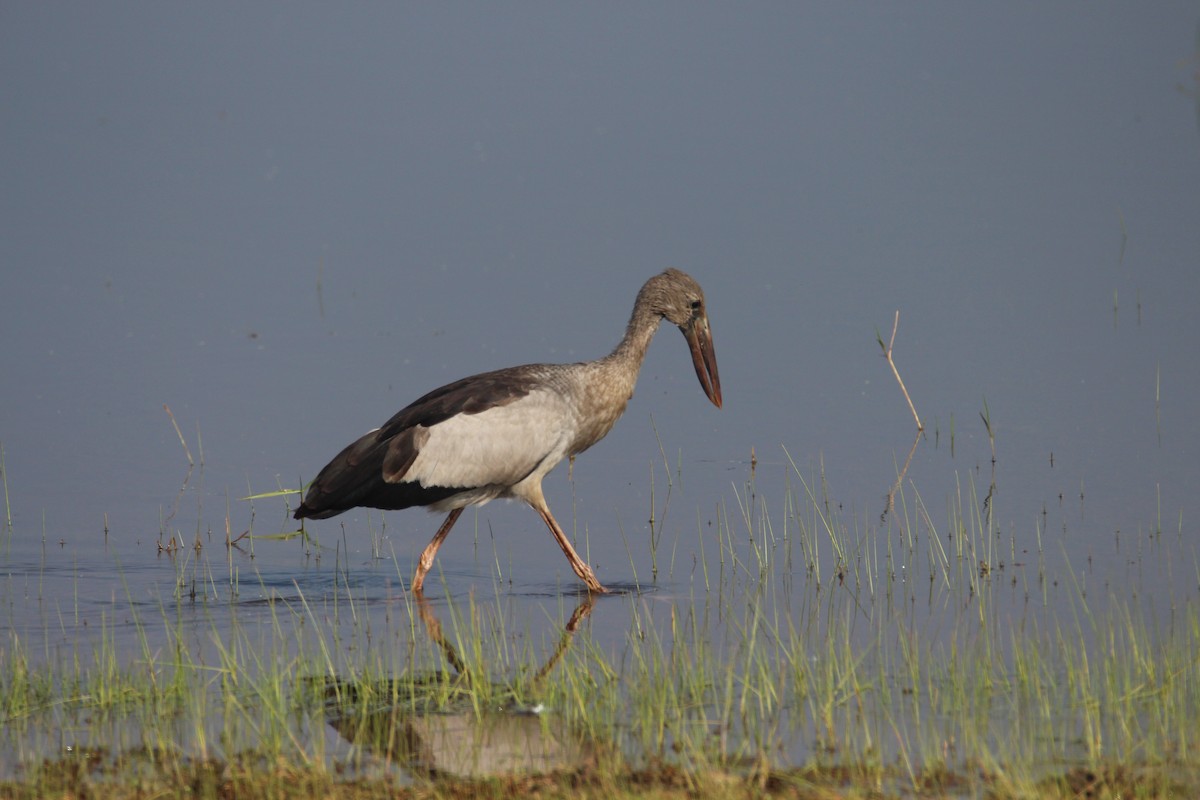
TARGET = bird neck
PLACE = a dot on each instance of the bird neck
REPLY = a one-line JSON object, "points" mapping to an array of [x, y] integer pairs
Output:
{"points": [[630, 352], [606, 385]]}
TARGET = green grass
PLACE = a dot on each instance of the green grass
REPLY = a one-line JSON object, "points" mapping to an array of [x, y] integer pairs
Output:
{"points": [[908, 658]]}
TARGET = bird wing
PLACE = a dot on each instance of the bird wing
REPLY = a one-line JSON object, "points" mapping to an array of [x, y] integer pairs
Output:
{"points": [[497, 446], [376, 469], [470, 395]]}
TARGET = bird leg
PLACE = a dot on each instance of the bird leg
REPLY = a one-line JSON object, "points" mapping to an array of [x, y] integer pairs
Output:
{"points": [[577, 563], [431, 549]]}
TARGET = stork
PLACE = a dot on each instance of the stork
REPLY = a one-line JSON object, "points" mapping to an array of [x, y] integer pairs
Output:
{"points": [[498, 433]]}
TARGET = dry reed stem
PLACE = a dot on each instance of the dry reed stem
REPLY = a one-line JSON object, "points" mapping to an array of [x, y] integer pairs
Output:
{"points": [[179, 433], [887, 354]]}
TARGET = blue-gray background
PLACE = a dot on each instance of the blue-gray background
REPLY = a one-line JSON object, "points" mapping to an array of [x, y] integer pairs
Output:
{"points": [[287, 221]]}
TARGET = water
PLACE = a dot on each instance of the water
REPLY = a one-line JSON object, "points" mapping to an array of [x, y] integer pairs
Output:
{"points": [[284, 227]]}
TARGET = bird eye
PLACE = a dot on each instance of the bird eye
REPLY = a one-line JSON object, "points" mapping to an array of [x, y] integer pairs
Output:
{"points": [[696, 305]]}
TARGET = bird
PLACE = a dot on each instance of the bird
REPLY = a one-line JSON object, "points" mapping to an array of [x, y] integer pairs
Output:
{"points": [[497, 434]]}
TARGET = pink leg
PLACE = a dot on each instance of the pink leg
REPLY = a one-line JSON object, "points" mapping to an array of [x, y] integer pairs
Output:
{"points": [[431, 549], [577, 563]]}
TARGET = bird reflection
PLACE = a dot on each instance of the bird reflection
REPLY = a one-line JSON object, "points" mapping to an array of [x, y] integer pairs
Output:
{"points": [[429, 735]]}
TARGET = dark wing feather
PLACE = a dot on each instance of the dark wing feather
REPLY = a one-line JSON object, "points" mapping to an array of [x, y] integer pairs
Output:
{"points": [[465, 396], [370, 471], [355, 478]]}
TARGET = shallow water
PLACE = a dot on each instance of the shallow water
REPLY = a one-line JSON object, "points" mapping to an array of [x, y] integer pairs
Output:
{"points": [[285, 227]]}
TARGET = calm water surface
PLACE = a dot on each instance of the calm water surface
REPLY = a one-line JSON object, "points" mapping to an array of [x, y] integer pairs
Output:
{"points": [[287, 224]]}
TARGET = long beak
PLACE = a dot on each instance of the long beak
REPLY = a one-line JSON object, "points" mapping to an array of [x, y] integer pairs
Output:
{"points": [[704, 357]]}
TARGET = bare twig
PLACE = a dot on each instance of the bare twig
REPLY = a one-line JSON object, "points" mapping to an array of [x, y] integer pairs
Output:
{"points": [[891, 495], [887, 354], [179, 433]]}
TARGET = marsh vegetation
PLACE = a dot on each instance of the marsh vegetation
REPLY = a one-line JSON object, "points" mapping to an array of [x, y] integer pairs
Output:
{"points": [[786, 645]]}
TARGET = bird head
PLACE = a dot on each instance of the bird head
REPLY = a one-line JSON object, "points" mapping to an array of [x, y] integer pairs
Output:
{"points": [[678, 298]]}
